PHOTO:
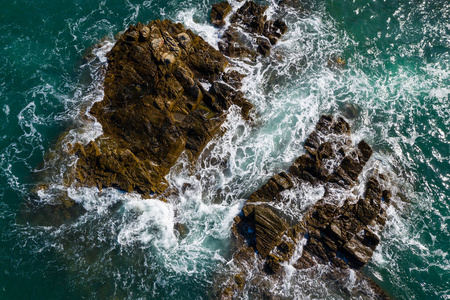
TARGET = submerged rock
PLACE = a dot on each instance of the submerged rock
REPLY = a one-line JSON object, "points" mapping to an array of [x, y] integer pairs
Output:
{"points": [[338, 230], [156, 106]]}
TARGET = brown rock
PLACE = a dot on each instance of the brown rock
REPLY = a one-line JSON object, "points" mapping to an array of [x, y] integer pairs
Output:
{"points": [[249, 17], [272, 265], [182, 230], [154, 108], [268, 229], [264, 48], [336, 234], [219, 12], [357, 253]]}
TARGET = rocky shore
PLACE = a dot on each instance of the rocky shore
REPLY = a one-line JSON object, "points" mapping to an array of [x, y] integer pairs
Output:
{"points": [[340, 230], [167, 92], [249, 33]]}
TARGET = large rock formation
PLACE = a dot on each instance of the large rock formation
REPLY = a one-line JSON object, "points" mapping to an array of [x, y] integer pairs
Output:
{"points": [[166, 91], [340, 230], [250, 33]]}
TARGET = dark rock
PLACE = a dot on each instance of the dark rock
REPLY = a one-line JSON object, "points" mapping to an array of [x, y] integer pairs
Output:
{"points": [[219, 12], [273, 30], [342, 127], [272, 265], [268, 229], [336, 62], [264, 48], [37, 213], [235, 44], [251, 15], [263, 228], [283, 181], [352, 164], [324, 124], [154, 108], [297, 4], [251, 19], [312, 142], [350, 111], [310, 165], [325, 151], [386, 196], [340, 234], [233, 78]]}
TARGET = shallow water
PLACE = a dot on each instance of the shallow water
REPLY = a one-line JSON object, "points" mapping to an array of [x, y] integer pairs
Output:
{"points": [[394, 91]]}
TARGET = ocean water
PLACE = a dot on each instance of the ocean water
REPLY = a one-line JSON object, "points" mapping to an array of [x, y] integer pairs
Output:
{"points": [[394, 91]]}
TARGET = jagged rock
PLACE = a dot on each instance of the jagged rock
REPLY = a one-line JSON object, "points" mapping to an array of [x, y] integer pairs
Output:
{"points": [[249, 18], [219, 12], [155, 108], [267, 227], [343, 234]]}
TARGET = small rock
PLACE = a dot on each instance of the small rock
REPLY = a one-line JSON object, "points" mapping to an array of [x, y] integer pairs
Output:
{"points": [[250, 18], [264, 48], [356, 253], [350, 111], [336, 62], [272, 265], [132, 36]]}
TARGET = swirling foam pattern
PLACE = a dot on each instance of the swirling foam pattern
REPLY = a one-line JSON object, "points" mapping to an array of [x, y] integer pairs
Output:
{"points": [[394, 90]]}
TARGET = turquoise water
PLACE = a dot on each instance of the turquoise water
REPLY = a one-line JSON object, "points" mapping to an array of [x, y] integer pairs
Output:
{"points": [[397, 82]]}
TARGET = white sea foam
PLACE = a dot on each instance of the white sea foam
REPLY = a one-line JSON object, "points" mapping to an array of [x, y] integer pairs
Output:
{"points": [[289, 90], [202, 28], [153, 222], [6, 109]]}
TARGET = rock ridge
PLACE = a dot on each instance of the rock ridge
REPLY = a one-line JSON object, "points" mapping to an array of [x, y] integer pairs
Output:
{"points": [[249, 33], [340, 233]]}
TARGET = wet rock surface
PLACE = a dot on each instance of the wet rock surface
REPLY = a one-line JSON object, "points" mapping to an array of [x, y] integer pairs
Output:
{"points": [[341, 230], [250, 33], [218, 13], [166, 92]]}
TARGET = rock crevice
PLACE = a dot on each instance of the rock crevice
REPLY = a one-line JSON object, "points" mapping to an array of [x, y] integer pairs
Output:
{"points": [[340, 230]]}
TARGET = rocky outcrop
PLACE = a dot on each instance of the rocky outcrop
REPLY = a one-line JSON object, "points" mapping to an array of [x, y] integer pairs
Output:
{"points": [[218, 13], [166, 92], [248, 24], [340, 230]]}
